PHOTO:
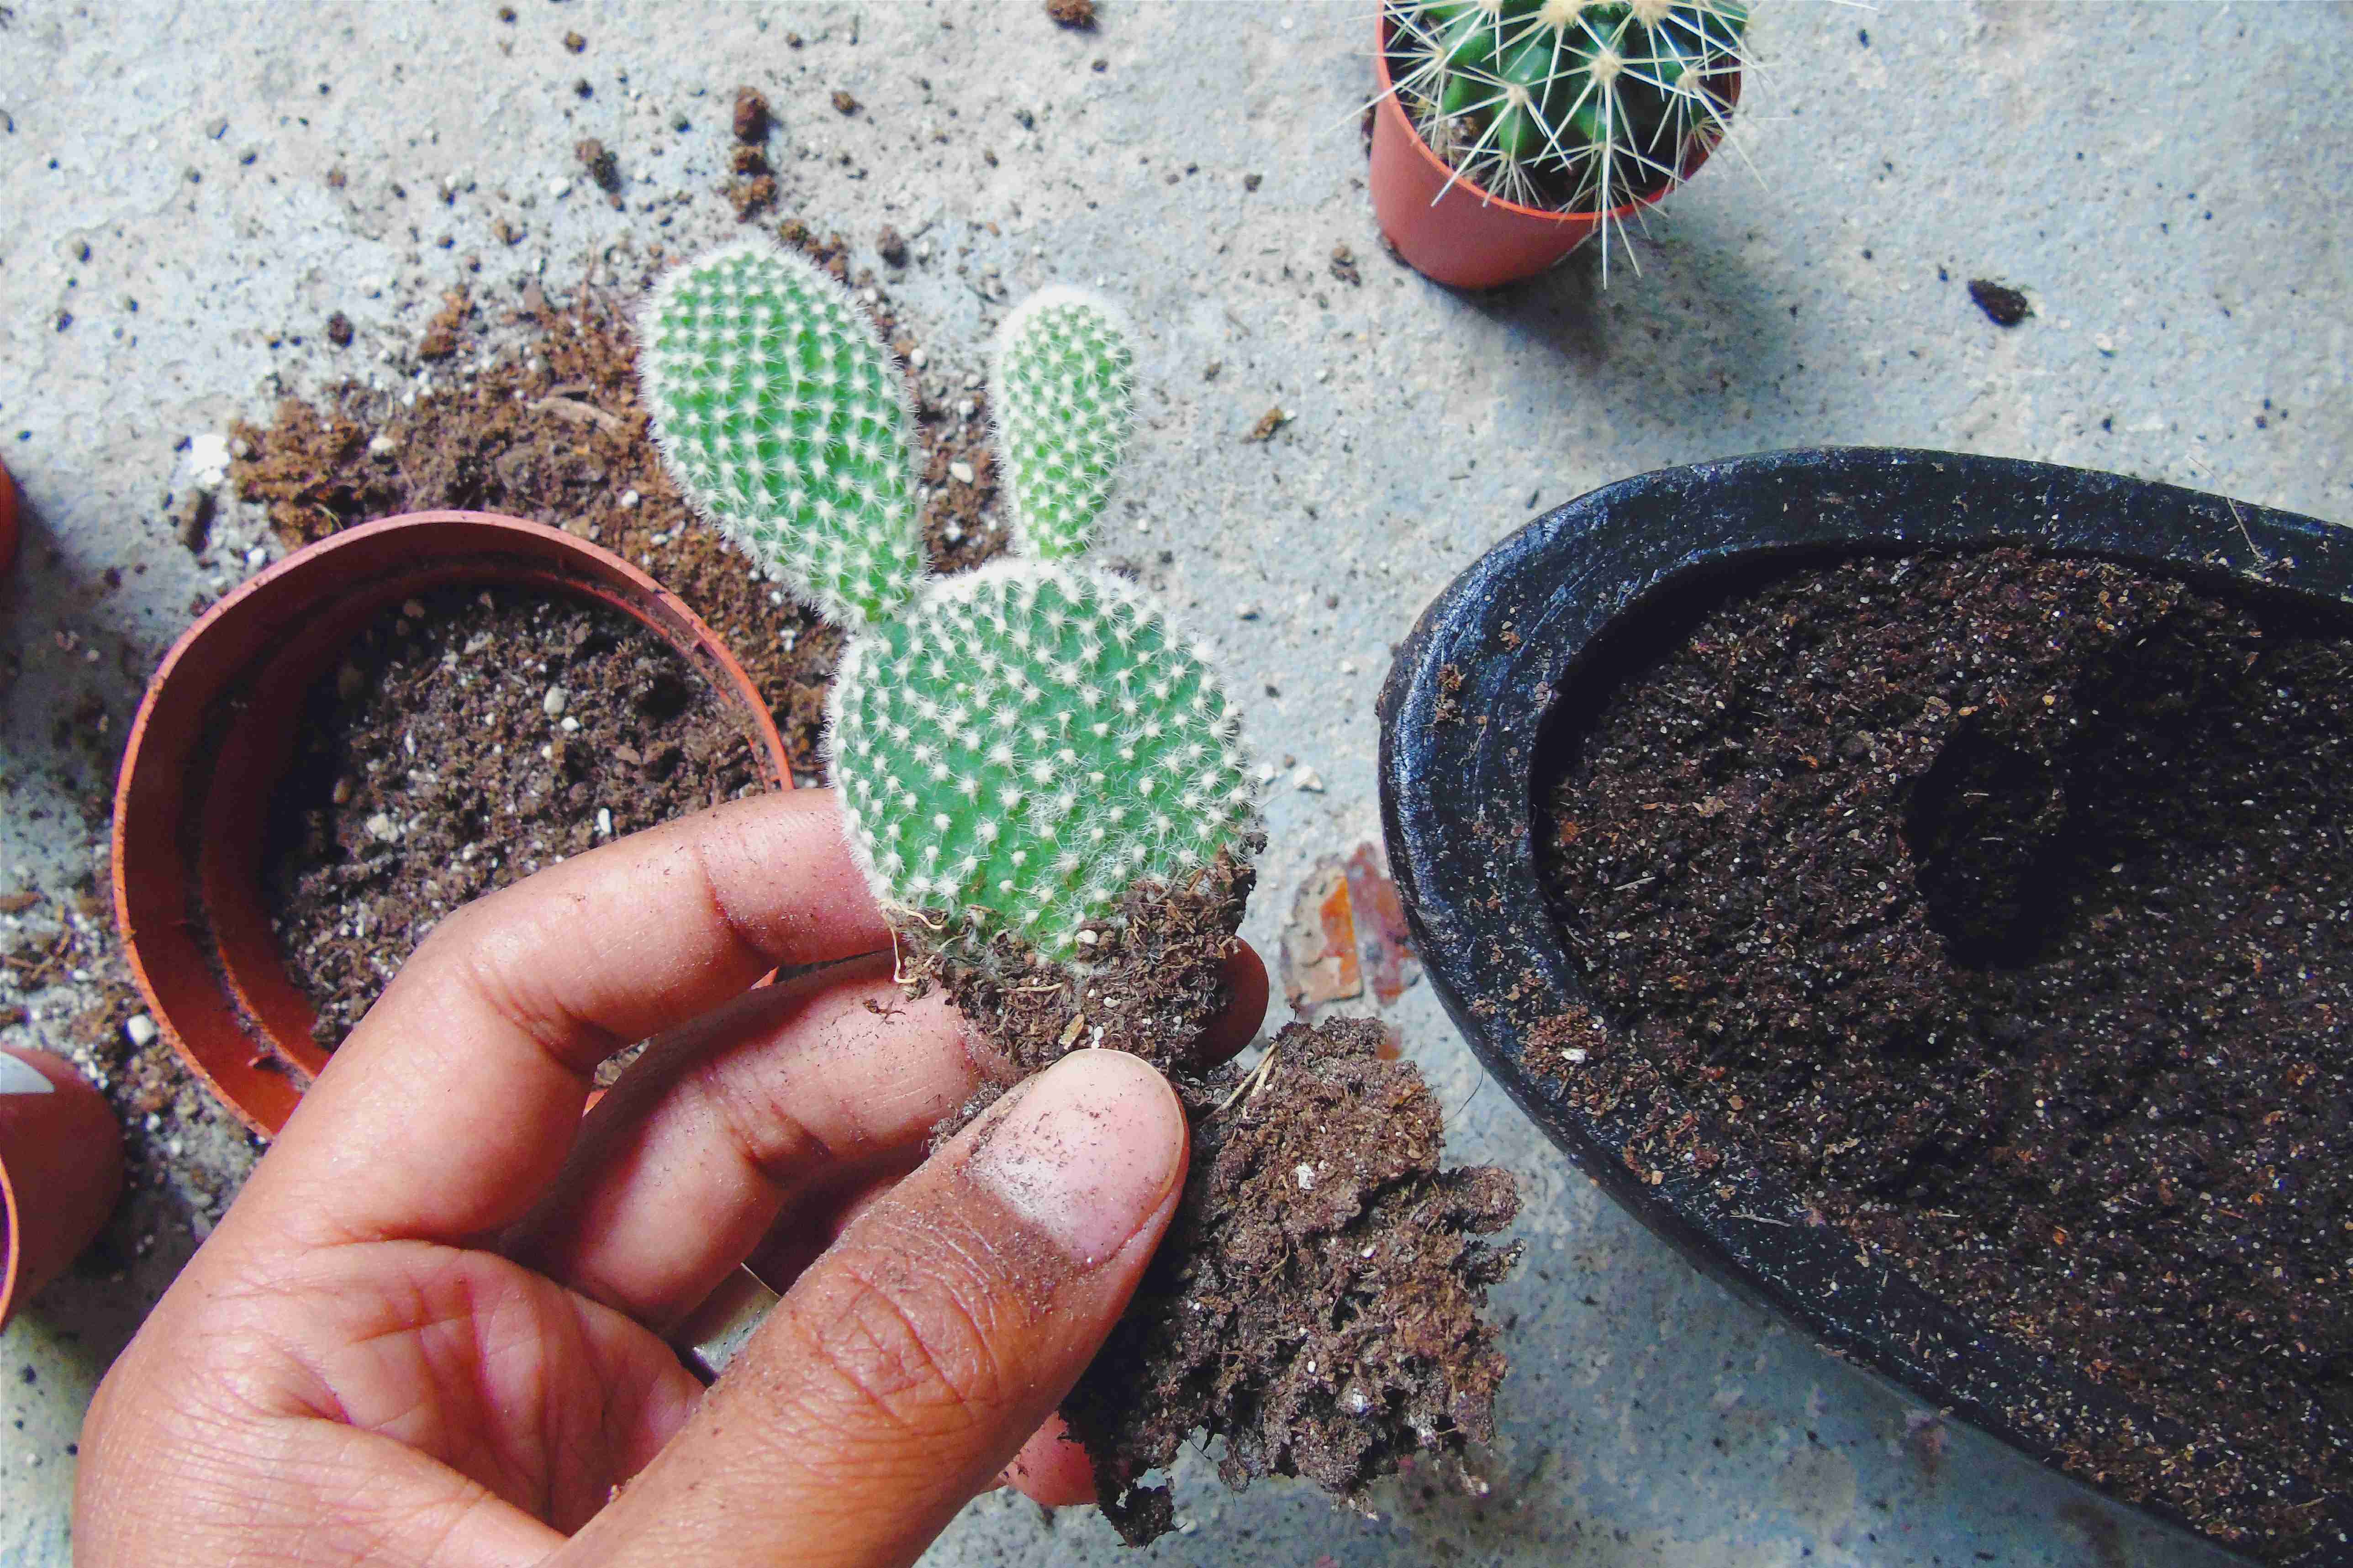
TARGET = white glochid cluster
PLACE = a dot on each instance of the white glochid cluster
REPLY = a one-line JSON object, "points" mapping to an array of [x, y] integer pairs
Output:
{"points": [[1015, 746]]}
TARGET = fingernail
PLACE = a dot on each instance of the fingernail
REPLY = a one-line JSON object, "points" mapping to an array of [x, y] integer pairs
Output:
{"points": [[1087, 1154]]}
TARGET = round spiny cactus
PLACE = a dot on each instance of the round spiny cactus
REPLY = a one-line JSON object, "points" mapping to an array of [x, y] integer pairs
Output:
{"points": [[1025, 744], [1572, 105], [1015, 747], [1066, 380], [784, 420]]}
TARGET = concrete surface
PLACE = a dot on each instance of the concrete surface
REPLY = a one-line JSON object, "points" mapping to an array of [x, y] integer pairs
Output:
{"points": [[2168, 183]]}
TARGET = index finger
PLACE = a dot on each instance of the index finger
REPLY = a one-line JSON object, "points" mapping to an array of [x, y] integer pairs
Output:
{"points": [[453, 1103]]}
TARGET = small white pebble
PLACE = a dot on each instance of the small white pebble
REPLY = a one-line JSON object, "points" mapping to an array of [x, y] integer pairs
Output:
{"points": [[629, 499], [961, 472], [559, 189], [1304, 1175], [383, 827], [1088, 939], [552, 704], [1247, 612], [919, 359], [257, 557], [1347, 666], [1264, 772], [603, 822], [140, 1030], [208, 460], [1576, 1054], [1303, 777], [383, 447], [570, 725]]}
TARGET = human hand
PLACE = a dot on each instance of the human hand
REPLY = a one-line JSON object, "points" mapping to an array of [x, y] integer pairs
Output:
{"points": [[429, 1328]]}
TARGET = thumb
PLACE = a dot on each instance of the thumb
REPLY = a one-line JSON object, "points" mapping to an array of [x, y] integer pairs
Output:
{"points": [[905, 1369]]}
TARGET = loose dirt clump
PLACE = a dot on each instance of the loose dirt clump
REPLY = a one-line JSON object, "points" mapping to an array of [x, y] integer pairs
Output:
{"points": [[1079, 15], [552, 430], [1316, 1300], [2003, 305], [754, 189], [751, 121], [467, 740], [1997, 907]]}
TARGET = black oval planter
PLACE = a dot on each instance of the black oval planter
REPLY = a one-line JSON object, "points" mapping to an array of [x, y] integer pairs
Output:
{"points": [[1463, 717]]}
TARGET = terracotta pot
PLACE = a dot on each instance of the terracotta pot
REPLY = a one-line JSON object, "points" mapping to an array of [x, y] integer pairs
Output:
{"points": [[7, 522], [1454, 232], [217, 729], [60, 1170], [1544, 613]]}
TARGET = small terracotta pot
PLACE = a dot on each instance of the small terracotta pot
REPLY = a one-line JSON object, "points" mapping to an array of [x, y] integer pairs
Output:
{"points": [[217, 729], [1451, 231], [7, 522], [60, 1169]]}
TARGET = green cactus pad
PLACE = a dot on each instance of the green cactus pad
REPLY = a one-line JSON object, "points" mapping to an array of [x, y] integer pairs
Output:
{"points": [[783, 418], [1063, 385], [1022, 743]]}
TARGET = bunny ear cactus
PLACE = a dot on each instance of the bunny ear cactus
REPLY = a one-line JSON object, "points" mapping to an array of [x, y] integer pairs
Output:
{"points": [[1015, 746]]}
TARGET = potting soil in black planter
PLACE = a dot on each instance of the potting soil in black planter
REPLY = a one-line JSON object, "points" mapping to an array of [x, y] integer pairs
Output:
{"points": [[2002, 907]]}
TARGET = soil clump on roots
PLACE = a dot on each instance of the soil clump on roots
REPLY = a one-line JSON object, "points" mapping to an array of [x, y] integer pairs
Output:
{"points": [[1996, 908], [1316, 1301]]}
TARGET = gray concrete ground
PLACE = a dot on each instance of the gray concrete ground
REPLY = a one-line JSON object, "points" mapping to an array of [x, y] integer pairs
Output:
{"points": [[190, 190]]}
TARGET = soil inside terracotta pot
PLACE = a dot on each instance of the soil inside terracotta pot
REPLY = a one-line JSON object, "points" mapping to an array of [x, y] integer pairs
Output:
{"points": [[466, 739], [1316, 1301], [2001, 909]]}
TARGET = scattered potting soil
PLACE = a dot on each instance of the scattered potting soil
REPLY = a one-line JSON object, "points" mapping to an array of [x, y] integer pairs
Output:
{"points": [[2003, 909], [468, 738], [1316, 1302], [550, 429], [2003, 305]]}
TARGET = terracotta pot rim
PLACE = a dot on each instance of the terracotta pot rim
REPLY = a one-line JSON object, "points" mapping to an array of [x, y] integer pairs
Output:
{"points": [[11, 505], [159, 881], [60, 1174], [12, 1239], [1460, 181]]}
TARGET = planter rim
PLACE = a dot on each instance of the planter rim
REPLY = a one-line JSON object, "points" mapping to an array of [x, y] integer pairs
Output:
{"points": [[60, 1175], [1464, 854], [169, 922], [12, 1244], [11, 503]]}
